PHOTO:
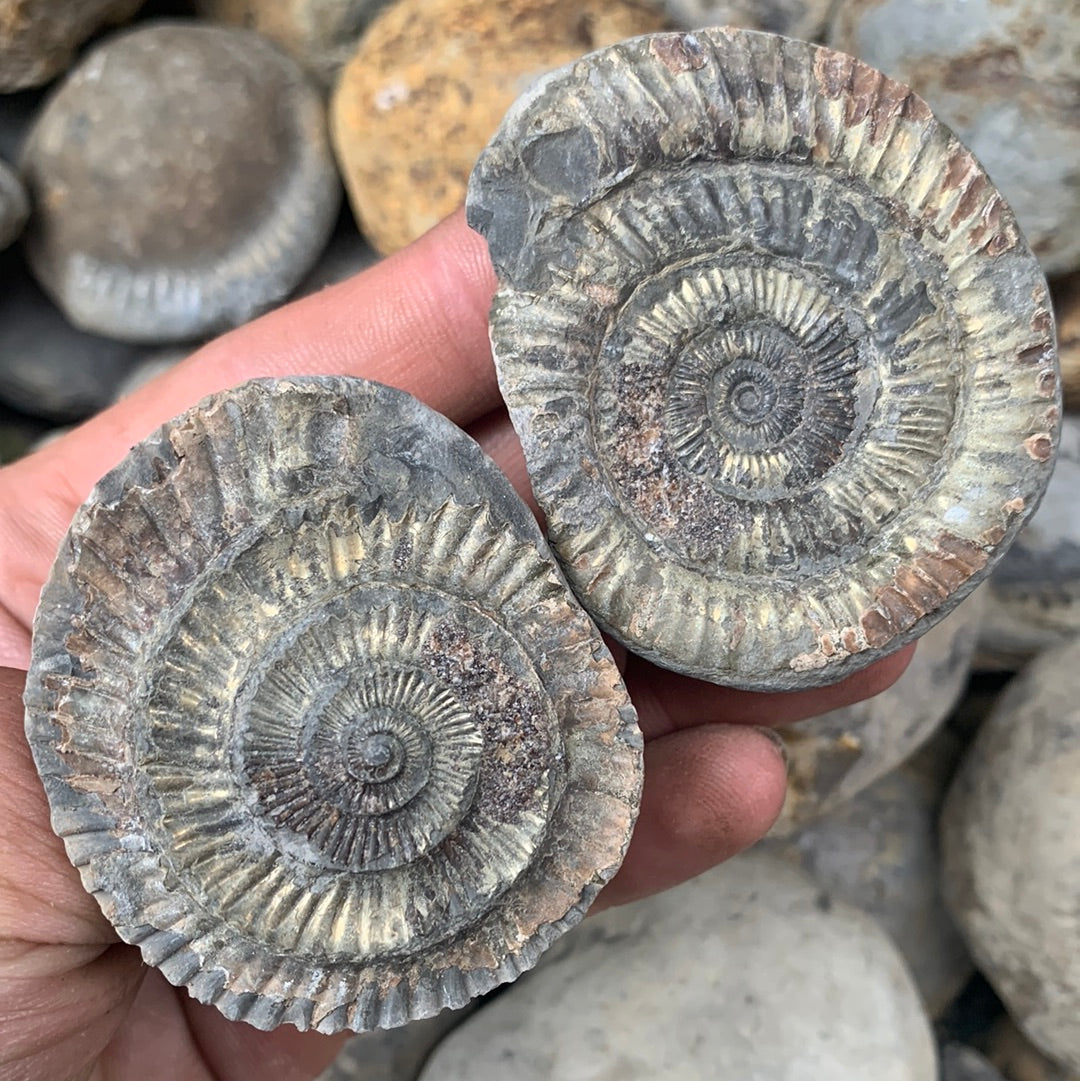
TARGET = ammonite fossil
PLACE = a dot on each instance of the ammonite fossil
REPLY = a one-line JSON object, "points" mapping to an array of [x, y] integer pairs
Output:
{"points": [[319, 722], [781, 362]]}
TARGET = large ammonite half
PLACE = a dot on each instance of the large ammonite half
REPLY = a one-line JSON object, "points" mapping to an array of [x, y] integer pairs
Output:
{"points": [[319, 721], [781, 362]]}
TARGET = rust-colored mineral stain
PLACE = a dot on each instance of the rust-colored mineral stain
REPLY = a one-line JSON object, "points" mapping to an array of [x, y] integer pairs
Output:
{"points": [[1039, 447], [678, 52]]}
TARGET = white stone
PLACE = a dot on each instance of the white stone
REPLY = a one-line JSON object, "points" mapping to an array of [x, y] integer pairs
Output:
{"points": [[1011, 845], [748, 973]]}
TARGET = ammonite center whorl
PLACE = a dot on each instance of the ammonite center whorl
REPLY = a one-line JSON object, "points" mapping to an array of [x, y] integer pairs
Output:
{"points": [[782, 365], [319, 722]]}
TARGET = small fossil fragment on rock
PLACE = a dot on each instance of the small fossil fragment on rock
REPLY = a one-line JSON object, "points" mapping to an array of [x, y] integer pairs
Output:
{"points": [[428, 85], [319, 722], [1011, 847], [780, 360], [182, 182], [38, 38]]}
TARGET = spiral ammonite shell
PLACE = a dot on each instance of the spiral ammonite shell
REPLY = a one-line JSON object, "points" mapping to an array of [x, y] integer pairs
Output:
{"points": [[319, 721], [782, 365]]}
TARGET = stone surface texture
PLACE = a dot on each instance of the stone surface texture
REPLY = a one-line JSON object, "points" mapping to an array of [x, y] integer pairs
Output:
{"points": [[960, 1063], [1067, 307], [38, 38], [1002, 74], [1033, 597], [748, 972], [14, 205], [1013, 1054], [397, 1054], [429, 84], [183, 182], [837, 755], [1011, 844], [48, 368], [880, 853], [794, 18], [319, 722], [781, 363], [320, 34]]}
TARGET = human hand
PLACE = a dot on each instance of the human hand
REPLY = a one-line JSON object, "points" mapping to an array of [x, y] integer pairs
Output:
{"points": [[76, 1003]]}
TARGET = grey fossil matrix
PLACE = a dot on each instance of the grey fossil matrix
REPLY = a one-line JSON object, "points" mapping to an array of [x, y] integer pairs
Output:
{"points": [[781, 361], [319, 722]]}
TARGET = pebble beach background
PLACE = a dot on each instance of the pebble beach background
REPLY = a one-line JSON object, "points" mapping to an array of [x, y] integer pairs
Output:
{"points": [[915, 912]]}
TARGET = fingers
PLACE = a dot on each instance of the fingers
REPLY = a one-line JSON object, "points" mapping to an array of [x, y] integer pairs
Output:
{"points": [[709, 793], [668, 702]]}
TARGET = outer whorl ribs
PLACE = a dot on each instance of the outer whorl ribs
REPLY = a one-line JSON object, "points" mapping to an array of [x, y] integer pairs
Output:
{"points": [[318, 720], [781, 363]]}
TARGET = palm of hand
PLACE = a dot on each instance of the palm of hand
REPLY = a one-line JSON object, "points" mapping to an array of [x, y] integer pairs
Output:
{"points": [[74, 1002]]}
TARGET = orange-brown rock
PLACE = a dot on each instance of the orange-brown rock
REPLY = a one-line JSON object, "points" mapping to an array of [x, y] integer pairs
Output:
{"points": [[429, 84]]}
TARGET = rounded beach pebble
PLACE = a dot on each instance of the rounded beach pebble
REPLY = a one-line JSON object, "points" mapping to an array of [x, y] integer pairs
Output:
{"points": [[38, 38], [183, 183], [749, 971], [428, 85], [1011, 845], [14, 206]]}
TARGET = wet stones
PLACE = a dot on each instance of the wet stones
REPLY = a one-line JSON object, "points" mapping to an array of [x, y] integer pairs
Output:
{"points": [[1011, 831], [183, 183], [428, 85], [1002, 74], [38, 38], [749, 971]]}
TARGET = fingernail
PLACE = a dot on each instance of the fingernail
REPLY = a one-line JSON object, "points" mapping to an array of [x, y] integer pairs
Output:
{"points": [[777, 741]]}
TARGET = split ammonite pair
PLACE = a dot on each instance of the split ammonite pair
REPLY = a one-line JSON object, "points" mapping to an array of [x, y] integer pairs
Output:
{"points": [[320, 723]]}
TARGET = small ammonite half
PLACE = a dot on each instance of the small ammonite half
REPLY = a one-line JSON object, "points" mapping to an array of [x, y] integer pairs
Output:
{"points": [[320, 724], [781, 362]]}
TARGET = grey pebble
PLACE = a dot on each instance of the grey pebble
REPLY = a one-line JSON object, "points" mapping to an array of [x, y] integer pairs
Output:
{"points": [[960, 1063], [183, 180], [880, 853], [14, 205], [1011, 847], [47, 367]]}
